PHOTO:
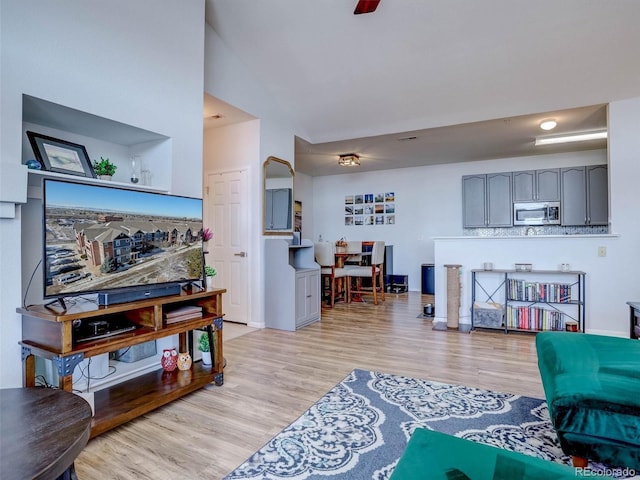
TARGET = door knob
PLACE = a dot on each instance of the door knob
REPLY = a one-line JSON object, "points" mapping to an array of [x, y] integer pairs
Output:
{"points": [[240, 254]]}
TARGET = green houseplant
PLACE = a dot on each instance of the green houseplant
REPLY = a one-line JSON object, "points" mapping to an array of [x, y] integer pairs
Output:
{"points": [[209, 273], [104, 168], [205, 348]]}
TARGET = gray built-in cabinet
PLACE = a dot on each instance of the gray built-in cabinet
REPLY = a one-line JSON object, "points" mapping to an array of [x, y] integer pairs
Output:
{"points": [[537, 185], [292, 284], [486, 200], [585, 195]]}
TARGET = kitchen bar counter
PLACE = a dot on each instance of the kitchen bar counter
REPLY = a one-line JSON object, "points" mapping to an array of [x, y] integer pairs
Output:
{"points": [[529, 237], [608, 288]]}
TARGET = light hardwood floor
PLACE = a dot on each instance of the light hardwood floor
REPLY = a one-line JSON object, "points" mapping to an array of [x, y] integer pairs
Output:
{"points": [[273, 376]]}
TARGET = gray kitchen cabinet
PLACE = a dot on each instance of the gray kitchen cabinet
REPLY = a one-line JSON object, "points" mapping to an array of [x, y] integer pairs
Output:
{"points": [[474, 188], [585, 196], [536, 185], [597, 195], [486, 200]]}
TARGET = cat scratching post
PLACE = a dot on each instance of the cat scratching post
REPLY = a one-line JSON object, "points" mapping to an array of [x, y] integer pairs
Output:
{"points": [[453, 295]]}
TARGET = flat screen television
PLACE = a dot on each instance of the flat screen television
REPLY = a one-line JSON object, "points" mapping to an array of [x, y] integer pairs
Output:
{"points": [[99, 239]]}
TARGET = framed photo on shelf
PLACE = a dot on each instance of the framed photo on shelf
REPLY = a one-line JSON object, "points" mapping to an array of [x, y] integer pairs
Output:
{"points": [[60, 156]]}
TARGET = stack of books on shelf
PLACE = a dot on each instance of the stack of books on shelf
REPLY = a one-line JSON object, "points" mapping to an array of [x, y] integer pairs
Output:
{"points": [[520, 290], [180, 314], [534, 318]]}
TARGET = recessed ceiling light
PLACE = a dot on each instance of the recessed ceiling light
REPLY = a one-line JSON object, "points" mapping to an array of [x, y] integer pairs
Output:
{"points": [[548, 125]]}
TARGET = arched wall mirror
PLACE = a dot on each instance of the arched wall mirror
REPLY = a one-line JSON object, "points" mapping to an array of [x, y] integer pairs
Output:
{"points": [[278, 197]]}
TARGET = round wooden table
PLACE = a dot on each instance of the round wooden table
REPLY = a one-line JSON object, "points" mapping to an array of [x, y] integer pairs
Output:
{"points": [[42, 431]]}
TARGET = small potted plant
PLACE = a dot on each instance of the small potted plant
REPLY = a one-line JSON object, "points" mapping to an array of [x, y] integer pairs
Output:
{"points": [[209, 273], [104, 168], [207, 235], [203, 346]]}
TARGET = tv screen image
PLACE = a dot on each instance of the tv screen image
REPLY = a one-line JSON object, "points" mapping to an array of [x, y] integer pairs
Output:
{"points": [[98, 238]]}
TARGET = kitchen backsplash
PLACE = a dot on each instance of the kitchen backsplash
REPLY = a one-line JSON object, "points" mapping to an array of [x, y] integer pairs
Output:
{"points": [[524, 231]]}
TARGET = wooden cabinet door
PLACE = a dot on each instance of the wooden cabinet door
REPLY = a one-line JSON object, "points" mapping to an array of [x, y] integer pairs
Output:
{"points": [[597, 195], [548, 185], [573, 207], [499, 200], [473, 201]]}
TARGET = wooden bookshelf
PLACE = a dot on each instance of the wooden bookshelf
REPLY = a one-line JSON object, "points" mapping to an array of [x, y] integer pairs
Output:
{"points": [[49, 332]]}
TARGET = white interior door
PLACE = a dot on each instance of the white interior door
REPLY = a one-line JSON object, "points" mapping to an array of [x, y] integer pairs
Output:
{"points": [[227, 202]]}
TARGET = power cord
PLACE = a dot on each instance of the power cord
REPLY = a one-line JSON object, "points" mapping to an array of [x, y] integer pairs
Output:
{"points": [[85, 373], [24, 299]]}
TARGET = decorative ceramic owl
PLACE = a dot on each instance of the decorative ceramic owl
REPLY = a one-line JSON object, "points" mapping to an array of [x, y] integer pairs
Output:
{"points": [[184, 361], [169, 359]]}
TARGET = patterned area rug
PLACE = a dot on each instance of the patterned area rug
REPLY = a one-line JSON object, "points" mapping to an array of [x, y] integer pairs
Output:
{"points": [[360, 428]]}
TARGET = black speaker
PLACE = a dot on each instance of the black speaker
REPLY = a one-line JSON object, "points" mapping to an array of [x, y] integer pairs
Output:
{"points": [[132, 294]]}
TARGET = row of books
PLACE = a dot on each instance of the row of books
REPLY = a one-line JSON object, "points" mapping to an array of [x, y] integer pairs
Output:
{"points": [[534, 318], [180, 314], [521, 290]]}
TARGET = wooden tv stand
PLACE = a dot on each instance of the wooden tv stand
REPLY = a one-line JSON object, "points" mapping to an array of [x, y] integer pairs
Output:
{"points": [[48, 332]]}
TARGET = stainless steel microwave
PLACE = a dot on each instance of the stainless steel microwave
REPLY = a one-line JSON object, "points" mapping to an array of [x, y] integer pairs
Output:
{"points": [[536, 213]]}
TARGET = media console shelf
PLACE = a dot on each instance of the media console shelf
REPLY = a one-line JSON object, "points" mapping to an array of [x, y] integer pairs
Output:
{"points": [[48, 332], [527, 301]]}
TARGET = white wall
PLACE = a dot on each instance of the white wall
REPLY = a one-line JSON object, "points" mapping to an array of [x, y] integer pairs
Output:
{"points": [[227, 79], [112, 59], [428, 204], [303, 192]]}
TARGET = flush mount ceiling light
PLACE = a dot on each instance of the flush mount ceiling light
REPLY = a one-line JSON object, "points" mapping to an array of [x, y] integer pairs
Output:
{"points": [[548, 125], [571, 137], [349, 160]]}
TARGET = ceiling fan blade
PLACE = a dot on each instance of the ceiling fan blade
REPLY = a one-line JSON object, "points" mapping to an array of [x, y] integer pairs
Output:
{"points": [[366, 6]]}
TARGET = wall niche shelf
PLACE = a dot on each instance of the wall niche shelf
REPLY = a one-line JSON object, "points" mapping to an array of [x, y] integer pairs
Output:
{"points": [[527, 301], [35, 177], [102, 137]]}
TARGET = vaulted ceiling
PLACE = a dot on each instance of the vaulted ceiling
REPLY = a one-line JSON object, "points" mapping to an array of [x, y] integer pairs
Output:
{"points": [[419, 67]]}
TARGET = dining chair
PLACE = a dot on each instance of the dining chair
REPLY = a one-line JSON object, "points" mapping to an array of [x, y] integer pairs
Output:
{"points": [[373, 271], [354, 249], [325, 257]]}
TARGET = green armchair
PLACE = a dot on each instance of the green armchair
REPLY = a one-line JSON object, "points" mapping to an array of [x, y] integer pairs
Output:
{"points": [[592, 387]]}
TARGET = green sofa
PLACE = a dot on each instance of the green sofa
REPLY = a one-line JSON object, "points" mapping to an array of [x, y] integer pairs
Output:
{"points": [[592, 387], [436, 456]]}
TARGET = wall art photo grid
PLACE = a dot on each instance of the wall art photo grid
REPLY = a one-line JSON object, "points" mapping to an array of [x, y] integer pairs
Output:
{"points": [[370, 209]]}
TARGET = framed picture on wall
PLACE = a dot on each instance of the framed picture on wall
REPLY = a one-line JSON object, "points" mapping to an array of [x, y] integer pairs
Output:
{"points": [[60, 156]]}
